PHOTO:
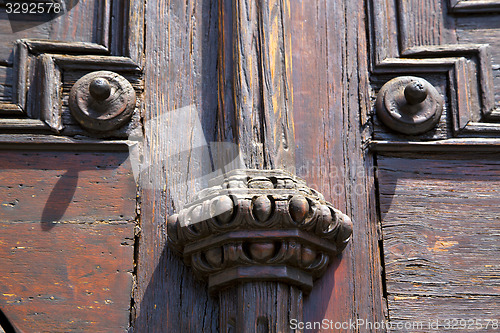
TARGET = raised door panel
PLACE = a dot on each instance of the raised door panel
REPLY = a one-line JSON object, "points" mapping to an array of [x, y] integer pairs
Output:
{"points": [[440, 228]]}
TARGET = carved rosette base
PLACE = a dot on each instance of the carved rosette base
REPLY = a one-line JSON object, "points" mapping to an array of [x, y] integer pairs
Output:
{"points": [[259, 225]]}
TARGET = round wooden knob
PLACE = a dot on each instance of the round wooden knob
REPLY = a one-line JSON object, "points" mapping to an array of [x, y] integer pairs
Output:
{"points": [[409, 105], [415, 92], [102, 101], [100, 88]]}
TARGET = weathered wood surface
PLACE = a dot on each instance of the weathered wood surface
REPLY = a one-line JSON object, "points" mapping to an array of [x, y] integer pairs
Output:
{"points": [[260, 307], [180, 76], [457, 53], [49, 187], [255, 51], [168, 298], [72, 278], [440, 231], [80, 24], [330, 100], [485, 30], [58, 274]]}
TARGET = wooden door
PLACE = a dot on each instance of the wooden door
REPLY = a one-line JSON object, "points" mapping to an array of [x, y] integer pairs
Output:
{"points": [[438, 188], [85, 198], [68, 196]]}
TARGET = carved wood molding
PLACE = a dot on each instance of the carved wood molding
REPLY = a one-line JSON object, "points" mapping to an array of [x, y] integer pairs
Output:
{"points": [[465, 67], [44, 72], [259, 225], [474, 6]]}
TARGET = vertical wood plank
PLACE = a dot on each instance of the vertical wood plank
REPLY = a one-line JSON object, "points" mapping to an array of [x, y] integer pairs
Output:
{"points": [[424, 23], [330, 75], [180, 72], [258, 40], [265, 307]]}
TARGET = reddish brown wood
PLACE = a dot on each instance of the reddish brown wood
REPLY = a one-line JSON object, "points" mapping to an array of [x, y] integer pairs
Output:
{"points": [[260, 307], [75, 277], [256, 81], [51, 187], [102, 101]]}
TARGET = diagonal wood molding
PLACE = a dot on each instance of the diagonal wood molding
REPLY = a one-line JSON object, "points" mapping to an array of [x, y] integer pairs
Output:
{"points": [[473, 6]]}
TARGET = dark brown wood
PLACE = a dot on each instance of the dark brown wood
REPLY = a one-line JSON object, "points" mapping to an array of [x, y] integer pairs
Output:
{"points": [[428, 38], [261, 92], [450, 145], [439, 227], [66, 186], [74, 277], [41, 65], [181, 74], [331, 98], [474, 6], [197, 74], [437, 191], [294, 240], [67, 239], [260, 307]]}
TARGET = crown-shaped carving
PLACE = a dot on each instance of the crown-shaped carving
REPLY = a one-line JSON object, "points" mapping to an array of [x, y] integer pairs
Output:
{"points": [[259, 225]]}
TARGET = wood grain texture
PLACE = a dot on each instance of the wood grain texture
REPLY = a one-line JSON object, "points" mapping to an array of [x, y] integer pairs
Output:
{"points": [[484, 30], [474, 6], [265, 307], [262, 83], [424, 23], [423, 38], [255, 80], [440, 228], [79, 24], [73, 278], [329, 79], [180, 76], [51, 187], [84, 25]]}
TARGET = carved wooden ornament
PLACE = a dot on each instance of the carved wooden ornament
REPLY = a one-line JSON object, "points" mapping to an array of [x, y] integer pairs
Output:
{"points": [[259, 231], [409, 105], [259, 225], [102, 101]]}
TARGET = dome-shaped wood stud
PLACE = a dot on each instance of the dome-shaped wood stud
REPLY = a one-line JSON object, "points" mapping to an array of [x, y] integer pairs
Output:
{"points": [[262, 208], [298, 208], [223, 209]]}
